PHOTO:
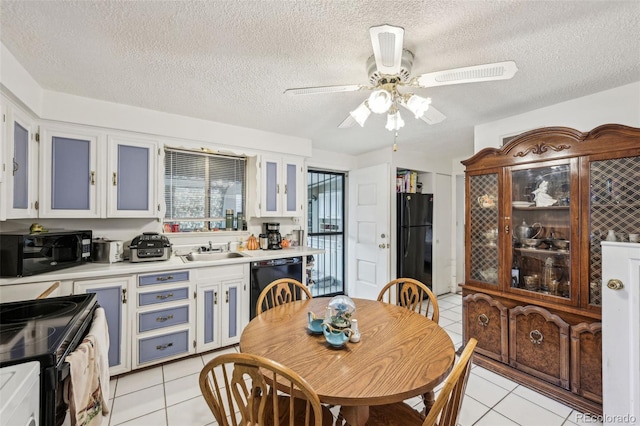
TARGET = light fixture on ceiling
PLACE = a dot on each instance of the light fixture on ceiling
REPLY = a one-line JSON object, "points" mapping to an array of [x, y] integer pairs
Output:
{"points": [[387, 99]]}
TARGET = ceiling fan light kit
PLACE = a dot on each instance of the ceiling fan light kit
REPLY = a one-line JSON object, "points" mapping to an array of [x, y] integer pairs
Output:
{"points": [[394, 121], [380, 101], [389, 68], [418, 105]]}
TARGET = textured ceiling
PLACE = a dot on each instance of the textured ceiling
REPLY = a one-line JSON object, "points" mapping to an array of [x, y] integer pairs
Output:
{"points": [[230, 61]]}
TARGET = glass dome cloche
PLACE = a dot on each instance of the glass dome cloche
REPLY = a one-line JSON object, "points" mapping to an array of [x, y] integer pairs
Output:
{"points": [[339, 311]]}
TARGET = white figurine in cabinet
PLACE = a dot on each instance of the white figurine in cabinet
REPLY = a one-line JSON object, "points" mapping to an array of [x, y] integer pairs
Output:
{"points": [[543, 199]]}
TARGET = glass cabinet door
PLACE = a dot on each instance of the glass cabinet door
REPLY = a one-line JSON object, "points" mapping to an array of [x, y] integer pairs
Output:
{"points": [[483, 228], [541, 236], [614, 212]]}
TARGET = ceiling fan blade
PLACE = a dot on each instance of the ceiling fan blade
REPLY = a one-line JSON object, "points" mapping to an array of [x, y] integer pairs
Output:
{"points": [[324, 89], [348, 122], [431, 115], [477, 73], [387, 47]]}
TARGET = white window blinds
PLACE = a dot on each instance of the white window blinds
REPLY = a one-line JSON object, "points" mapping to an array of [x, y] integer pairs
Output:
{"points": [[200, 187]]}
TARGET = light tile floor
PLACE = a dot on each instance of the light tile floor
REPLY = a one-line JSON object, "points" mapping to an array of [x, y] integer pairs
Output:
{"points": [[169, 394]]}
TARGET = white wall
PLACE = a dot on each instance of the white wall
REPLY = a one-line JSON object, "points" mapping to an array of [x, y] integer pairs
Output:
{"points": [[332, 161], [620, 105]]}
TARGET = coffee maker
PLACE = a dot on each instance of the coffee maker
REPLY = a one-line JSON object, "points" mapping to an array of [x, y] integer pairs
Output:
{"points": [[272, 229]]}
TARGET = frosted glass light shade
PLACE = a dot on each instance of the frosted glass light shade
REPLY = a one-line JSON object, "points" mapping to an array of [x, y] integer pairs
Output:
{"points": [[394, 121], [418, 105], [361, 113], [380, 101]]}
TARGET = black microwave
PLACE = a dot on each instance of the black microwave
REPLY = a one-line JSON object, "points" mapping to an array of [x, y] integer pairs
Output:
{"points": [[25, 254]]}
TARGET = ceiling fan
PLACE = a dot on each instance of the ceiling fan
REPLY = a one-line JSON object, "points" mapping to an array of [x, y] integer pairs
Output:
{"points": [[389, 69]]}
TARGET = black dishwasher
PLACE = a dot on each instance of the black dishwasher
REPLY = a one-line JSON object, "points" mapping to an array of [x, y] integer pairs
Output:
{"points": [[266, 271]]}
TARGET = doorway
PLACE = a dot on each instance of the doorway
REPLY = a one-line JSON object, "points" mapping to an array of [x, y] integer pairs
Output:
{"points": [[325, 225]]}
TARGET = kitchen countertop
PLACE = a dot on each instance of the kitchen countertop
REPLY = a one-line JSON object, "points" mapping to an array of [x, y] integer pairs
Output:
{"points": [[101, 270]]}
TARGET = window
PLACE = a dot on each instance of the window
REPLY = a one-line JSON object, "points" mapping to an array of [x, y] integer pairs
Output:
{"points": [[200, 188]]}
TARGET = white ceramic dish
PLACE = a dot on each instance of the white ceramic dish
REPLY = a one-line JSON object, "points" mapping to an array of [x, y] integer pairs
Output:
{"points": [[521, 204]]}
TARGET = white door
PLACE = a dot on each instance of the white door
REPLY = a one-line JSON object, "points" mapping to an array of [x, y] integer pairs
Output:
{"points": [[368, 236], [621, 333], [441, 249]]}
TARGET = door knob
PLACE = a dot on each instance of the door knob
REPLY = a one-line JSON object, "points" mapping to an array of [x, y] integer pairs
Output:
{"points": [[614, 284]]}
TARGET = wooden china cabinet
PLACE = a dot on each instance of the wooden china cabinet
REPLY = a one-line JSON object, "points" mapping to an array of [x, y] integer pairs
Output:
{"points": [[536, 212]]}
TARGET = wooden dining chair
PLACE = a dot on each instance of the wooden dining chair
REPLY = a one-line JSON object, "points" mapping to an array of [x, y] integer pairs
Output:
{"points": [[445, 410], [239, 390], [410, 294], [281, 291]]}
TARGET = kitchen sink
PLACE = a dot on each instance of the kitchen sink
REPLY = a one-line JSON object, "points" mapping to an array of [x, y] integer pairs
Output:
{"points": [[199, 257]]}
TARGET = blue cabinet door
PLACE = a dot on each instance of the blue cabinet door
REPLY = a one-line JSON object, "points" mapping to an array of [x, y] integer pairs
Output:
{"points": [[132, 186], [71, 174], [20, 167], [110, 299], [112, 294]]}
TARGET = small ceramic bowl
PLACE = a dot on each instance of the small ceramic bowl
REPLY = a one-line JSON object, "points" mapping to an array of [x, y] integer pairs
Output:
{"points": [[531, 242]]}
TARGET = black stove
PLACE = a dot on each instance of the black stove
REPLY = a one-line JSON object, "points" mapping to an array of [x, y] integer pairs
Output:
{"points": [[45, 330]]}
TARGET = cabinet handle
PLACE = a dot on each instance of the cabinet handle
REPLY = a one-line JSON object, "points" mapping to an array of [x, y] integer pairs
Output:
{"points": [[167, 278], [506, 229], [227, 296], [93, 178], [483, 320], [285, 189], [164, 296], [615, 284], [16, 166], [115, 179], [163, 319], [536, 337], [163, 347], [124, 295], [278, 188], [215, 297]]}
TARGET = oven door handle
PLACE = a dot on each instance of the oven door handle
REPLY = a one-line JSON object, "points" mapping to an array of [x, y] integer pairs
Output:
{"points": [[64, 371]]}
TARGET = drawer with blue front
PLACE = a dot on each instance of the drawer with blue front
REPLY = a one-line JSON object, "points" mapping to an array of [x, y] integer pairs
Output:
{"points": [[167, 345], [164, 278], [153, 320], [163, 296]]}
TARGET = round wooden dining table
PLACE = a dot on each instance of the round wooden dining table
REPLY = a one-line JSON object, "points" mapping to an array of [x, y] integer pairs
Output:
{"points": [[401, 354]]}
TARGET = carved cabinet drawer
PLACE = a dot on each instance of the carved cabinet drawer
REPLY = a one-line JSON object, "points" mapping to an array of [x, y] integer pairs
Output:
{"points": [[486, 320], [539, 344]]}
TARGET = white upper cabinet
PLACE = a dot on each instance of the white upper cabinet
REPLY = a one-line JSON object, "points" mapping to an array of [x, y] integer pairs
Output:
{"points": [[70, 179], [20, 165], [92, 175], [132, 165], [279, 186]]}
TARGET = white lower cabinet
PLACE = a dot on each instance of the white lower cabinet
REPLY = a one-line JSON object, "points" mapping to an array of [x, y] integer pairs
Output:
{"points": [[113, 296], [153, 318], [222, 310], [164, 318]]}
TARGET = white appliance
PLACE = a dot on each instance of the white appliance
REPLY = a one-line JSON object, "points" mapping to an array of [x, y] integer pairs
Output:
{"points": [[621, 333], [20, 394]]}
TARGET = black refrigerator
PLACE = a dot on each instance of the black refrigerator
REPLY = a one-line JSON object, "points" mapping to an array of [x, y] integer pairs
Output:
{"points": [[415, 233]]}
